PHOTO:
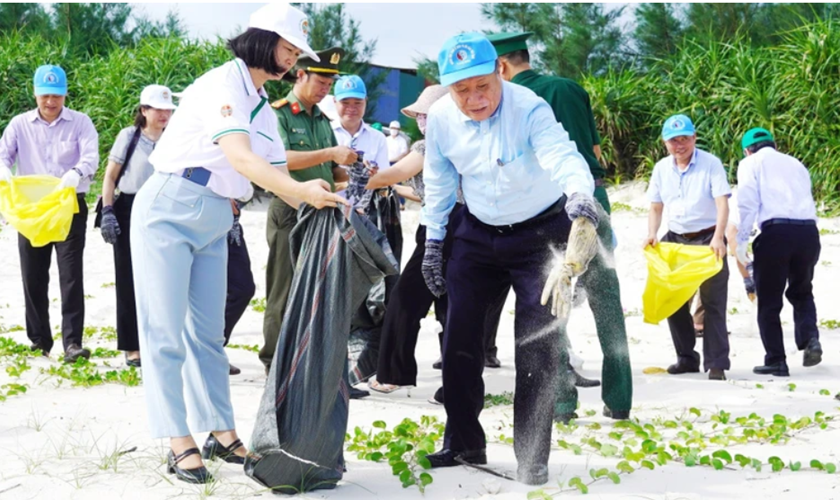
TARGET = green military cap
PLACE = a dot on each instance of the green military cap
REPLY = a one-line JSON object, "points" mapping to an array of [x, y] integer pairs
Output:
{"points": [[506, 43], [754, 136], [328, 66]]}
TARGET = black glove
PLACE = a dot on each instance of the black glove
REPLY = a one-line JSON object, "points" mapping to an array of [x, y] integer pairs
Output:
{"points": [[235, 233], [582, 205], [432, 267], [109, 227]]}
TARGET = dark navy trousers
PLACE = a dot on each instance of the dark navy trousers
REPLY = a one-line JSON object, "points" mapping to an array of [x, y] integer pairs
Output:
{"points": [[484, 261], [240, 285]]}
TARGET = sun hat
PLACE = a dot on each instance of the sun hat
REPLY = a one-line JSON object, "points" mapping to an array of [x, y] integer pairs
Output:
{"points": [[157, 96], [50, 80], [429, 96], [350, 87], [756, 135], [676, 126], [290, 23], [465, 56]]}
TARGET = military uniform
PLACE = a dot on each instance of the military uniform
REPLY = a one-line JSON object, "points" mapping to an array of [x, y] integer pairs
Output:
{"points": [[571, 106], [300, 131]]}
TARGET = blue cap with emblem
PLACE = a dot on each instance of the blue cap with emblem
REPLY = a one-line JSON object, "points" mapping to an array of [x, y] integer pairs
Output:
{"points": [[676, 126], [465, 56], [350, 87], [50, 80]]}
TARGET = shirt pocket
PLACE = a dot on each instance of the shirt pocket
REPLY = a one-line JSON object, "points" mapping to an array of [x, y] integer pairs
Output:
{"points": [[67, 152], [261, 144], [514, 174], [300, 142]]}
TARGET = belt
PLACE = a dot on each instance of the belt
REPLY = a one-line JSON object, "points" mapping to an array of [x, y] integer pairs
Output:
{"points": [[792, 222], [556, 208], [702, 232], [199, 175]]}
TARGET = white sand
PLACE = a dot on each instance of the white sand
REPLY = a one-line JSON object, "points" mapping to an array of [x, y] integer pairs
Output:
{"points": [[56, 441]]}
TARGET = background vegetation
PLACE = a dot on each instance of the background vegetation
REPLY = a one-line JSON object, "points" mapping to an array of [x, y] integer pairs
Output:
{"points": [[728, 66]]}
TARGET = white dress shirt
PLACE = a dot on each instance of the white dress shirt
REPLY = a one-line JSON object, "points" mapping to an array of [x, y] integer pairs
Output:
{"points": [[772, 185], [367, 139]]}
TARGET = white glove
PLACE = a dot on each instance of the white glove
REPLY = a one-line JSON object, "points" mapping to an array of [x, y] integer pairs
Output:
{"points": [[741, 253], [5, 174], [70, 179]]}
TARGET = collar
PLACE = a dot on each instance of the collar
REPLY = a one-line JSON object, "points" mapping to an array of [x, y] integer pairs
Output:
{"points": [[690, 164], [64, 115], [338, 126], [247, 82], [524, 76], [292, 98]]}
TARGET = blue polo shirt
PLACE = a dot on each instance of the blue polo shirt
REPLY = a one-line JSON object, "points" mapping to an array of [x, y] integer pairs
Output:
{"points": [[689, 196]]}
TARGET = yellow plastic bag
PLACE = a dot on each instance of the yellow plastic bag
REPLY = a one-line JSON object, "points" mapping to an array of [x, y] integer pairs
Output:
{"points": [[39, 211], [675, 272]]}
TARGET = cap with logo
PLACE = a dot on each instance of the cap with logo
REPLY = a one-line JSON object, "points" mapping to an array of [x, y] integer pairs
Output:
{"points": [[325, 65], [290, 23], [50, 80], [506, 43], [157, 96], [756, 135], [350, 87], [465, 56], [676, 126]]}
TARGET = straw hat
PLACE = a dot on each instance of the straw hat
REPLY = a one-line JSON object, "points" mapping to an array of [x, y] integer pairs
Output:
{"points": [[428, 97]]}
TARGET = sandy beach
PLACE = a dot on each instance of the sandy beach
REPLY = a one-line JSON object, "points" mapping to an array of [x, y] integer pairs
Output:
{"points": [[60, 441]]}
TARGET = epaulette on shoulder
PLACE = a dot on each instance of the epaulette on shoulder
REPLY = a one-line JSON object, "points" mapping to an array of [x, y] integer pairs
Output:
{"points": [[279, 104]]}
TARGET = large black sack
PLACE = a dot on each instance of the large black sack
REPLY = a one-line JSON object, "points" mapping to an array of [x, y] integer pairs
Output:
{"points": [[298, 437], [366, 327]]}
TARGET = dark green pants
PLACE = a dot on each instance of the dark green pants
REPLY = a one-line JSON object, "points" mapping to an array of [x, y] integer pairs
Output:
{"points": [[601, 284], [278, 273]]}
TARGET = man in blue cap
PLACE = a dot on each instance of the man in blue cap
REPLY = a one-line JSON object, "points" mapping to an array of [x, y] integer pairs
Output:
{"points": [[53, 140], [524, 184], [692, 184], [774, 191], [571, 106]]}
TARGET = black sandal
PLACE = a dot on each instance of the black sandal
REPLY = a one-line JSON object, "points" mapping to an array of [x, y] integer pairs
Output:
{"points": [[199, 475], [214, 449]]}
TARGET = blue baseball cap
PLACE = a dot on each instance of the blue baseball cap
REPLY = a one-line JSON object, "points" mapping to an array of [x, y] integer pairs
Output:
{"points": [[350, 87], [50, 80], [465, 56], [676, 126]]}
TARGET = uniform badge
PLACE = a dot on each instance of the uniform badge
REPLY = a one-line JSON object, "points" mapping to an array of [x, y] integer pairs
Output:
{"points": [[295, 108], [336, 57], [461, 54], [50, 77], [304, 26], [227, 110]]}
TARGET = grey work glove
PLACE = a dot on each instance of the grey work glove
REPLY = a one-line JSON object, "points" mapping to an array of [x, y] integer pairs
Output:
{"points": [[109, 227], [432, 267], [581, 248], [582, 205], [235, 233]]}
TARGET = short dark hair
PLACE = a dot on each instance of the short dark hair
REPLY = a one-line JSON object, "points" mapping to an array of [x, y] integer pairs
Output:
{"points": [[518, 57], [256, 47], [139, 119], [760, 145]]}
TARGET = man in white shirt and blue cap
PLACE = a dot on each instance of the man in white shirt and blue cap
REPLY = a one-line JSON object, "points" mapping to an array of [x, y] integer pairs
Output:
{"points": [[774, 191], [692, 184], [524, 183]]}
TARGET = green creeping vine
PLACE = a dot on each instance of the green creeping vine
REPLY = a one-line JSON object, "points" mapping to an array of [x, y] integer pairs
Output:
{"points": [[404, 447], [84, 373], [685, 440]]}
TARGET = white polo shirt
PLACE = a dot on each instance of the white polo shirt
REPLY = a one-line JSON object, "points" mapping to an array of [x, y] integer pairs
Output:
{"points": [[772, 185], [222, 101], [367, 139]]}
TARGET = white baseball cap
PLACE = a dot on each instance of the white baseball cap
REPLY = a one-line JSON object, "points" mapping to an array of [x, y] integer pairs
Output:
{"points": [[157, 96], [394, 124], [290, 23]]}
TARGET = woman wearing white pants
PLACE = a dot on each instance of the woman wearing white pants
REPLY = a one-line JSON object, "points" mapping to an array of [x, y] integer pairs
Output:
{"points": [[221, 138]]}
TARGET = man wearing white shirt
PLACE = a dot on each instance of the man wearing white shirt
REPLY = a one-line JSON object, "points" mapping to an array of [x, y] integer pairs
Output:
{"points": [[397, 145], [775, 192]]}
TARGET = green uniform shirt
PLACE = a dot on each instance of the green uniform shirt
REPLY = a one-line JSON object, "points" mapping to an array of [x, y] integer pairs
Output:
{"points": [[571, 106], [304, 132]]}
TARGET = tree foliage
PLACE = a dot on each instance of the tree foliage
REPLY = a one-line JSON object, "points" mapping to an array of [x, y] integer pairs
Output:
{"points": [[658, 30]]}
